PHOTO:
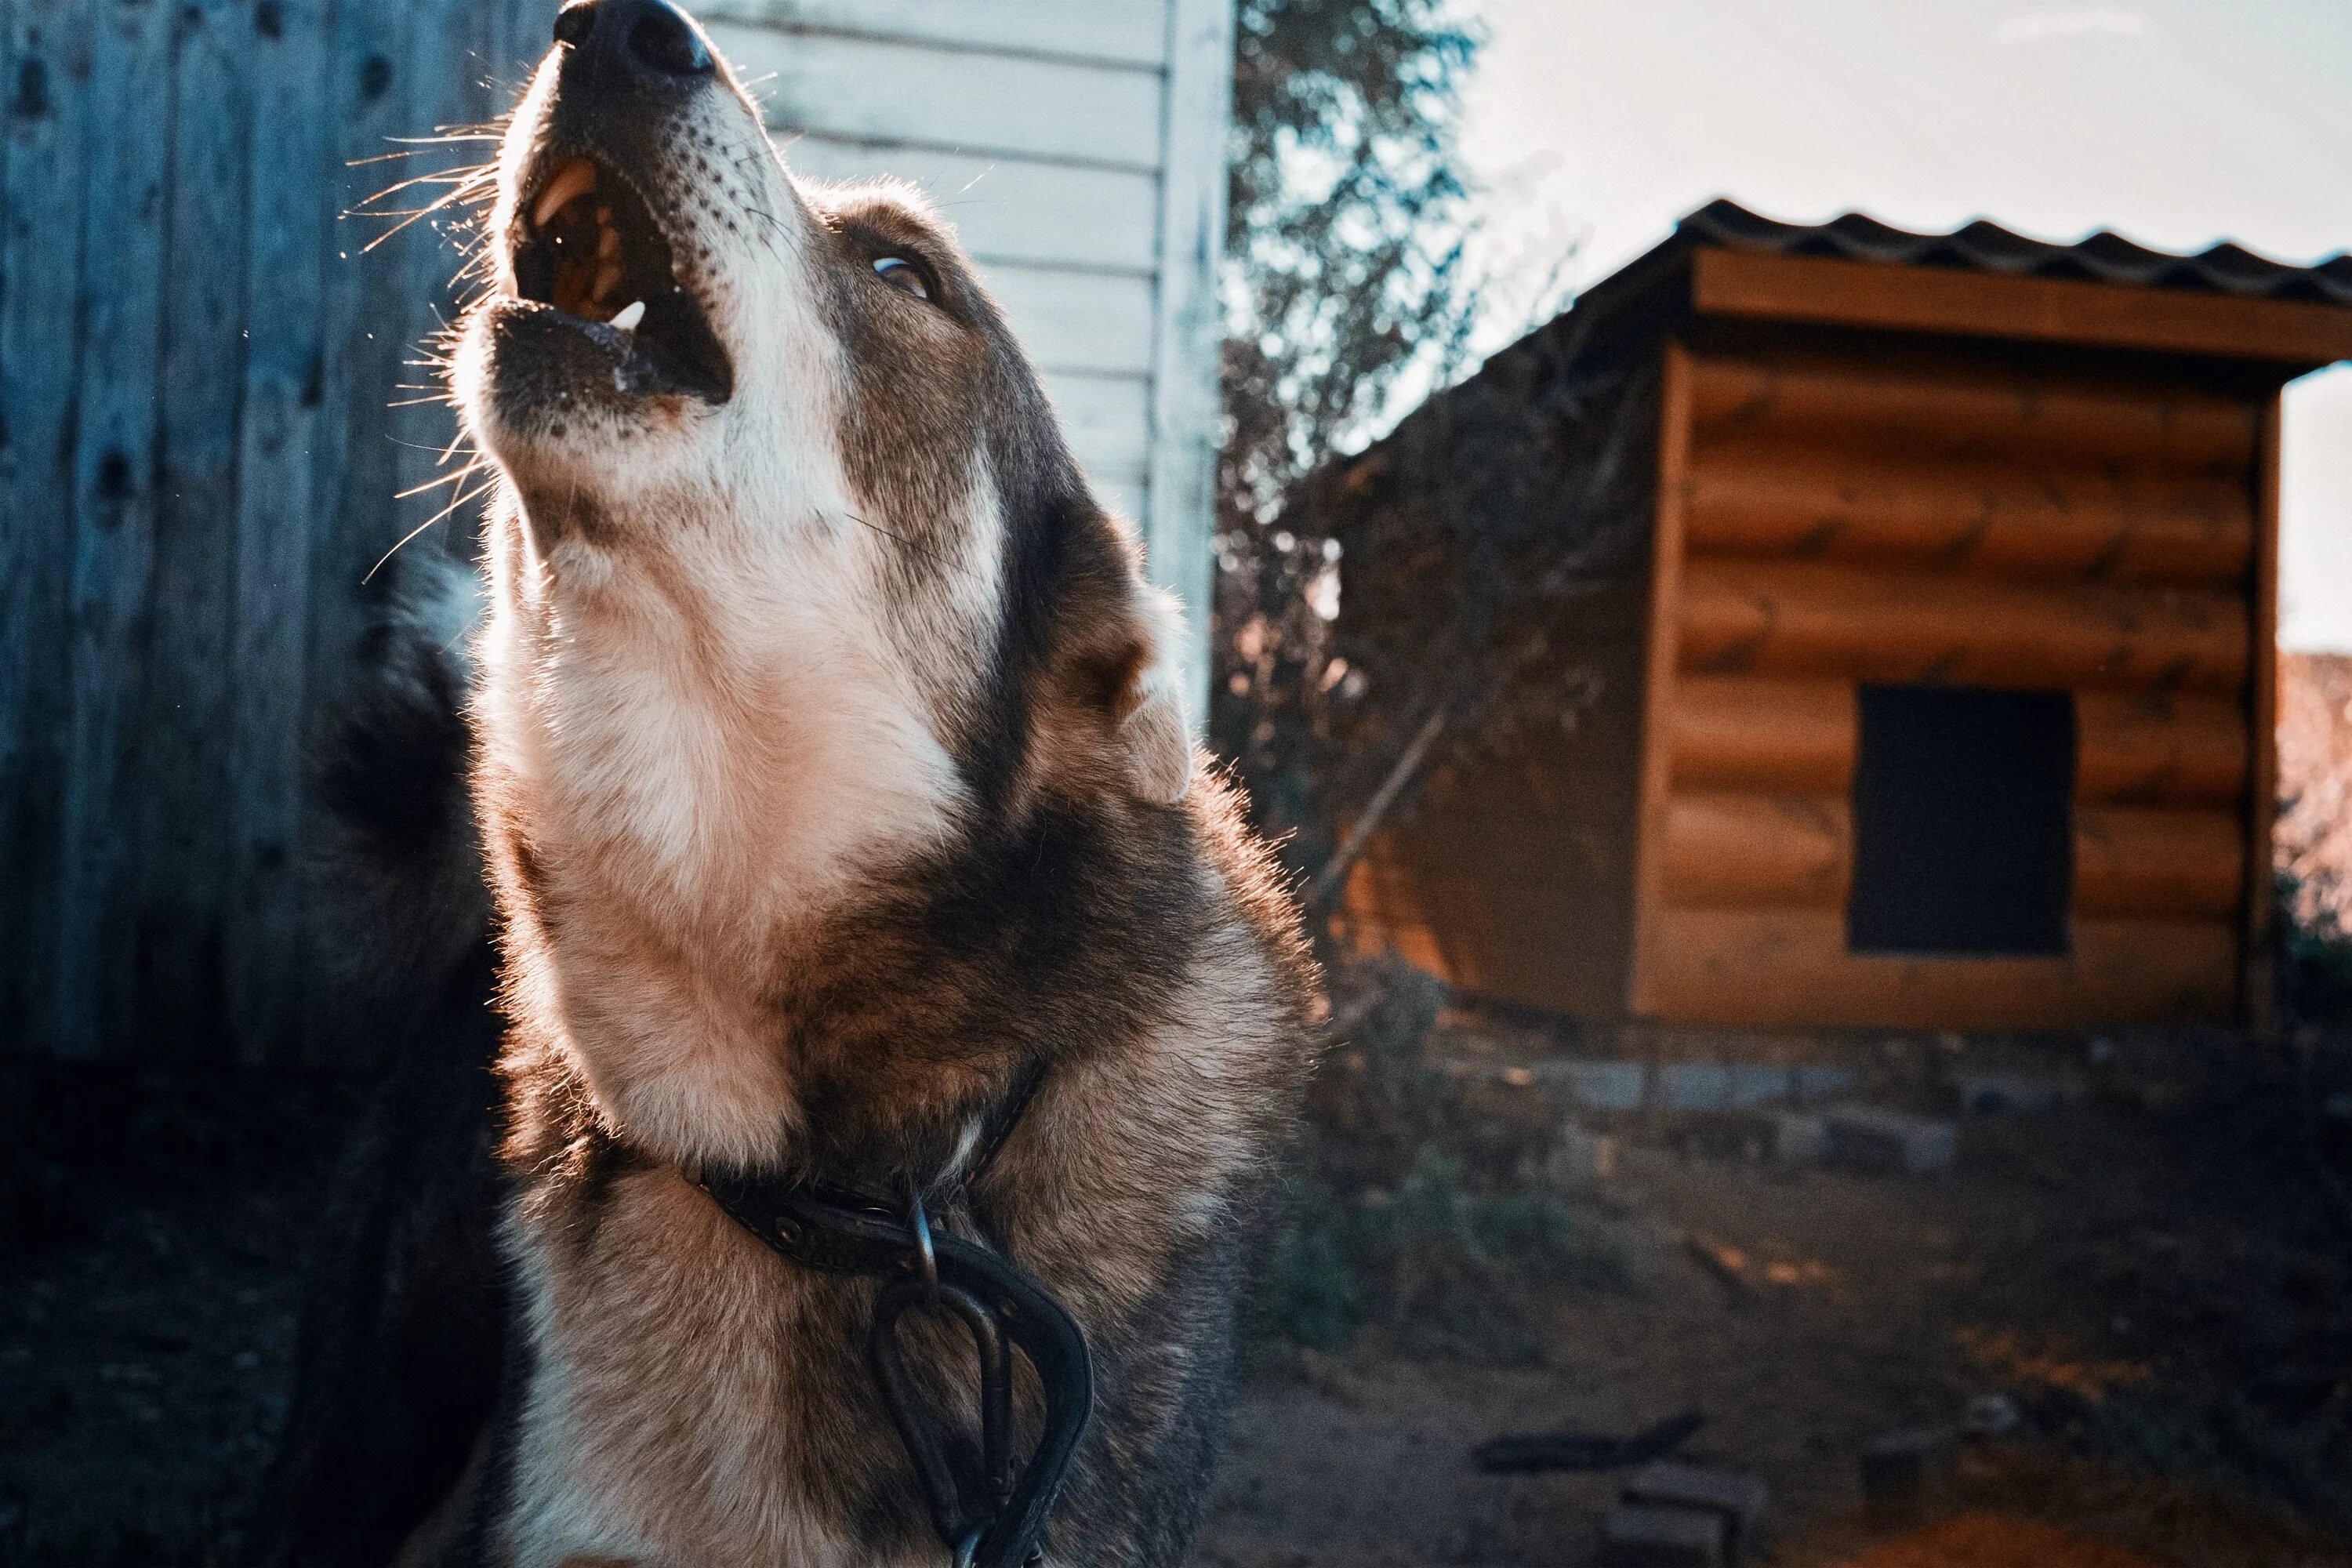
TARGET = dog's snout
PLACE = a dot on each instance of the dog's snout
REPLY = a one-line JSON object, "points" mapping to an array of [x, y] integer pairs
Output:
{"points": [[648, 39]]}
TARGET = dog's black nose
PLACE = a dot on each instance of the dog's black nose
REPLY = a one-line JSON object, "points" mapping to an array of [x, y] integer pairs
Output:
{"points": [[648, 38]]}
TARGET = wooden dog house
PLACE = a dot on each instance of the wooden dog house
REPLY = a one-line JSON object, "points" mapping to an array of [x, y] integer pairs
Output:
{"points": [[1928, 607]]}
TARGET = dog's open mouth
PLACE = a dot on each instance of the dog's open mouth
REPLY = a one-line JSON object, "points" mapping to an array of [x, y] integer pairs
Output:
{"points": [[589, 246]]}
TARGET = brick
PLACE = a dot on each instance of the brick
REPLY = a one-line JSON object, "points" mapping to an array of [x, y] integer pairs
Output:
{"points": [[1578, 1157], [1896, 1466], [1818, 1083], [1800, 1137], [1874, 1138], [1732, 1495], [2012, 1093], [1724, 1085], [1642, 1535], [1597, 1085]]}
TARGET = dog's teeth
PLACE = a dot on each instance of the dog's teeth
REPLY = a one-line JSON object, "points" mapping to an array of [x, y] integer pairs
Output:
{"points": [[576, 178], [627, 317]]}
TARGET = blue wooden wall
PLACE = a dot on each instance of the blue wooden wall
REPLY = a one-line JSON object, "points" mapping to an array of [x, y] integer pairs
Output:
{"points": [[198, 466]]}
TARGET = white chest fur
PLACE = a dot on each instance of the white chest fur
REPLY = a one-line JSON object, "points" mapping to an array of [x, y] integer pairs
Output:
{"points": [[696, 766]]}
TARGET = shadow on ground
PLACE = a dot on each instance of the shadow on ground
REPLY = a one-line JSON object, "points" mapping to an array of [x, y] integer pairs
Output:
{"points": [[2155, 1278]]}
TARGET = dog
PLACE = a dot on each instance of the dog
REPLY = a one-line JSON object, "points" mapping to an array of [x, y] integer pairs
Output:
{"points": [[828, 754]]}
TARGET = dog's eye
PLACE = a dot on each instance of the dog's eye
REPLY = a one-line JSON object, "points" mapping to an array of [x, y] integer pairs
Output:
{"points": [[900, 273]]}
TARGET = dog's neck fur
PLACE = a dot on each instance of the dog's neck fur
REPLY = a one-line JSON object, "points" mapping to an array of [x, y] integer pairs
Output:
{"points": [[687, 781]]}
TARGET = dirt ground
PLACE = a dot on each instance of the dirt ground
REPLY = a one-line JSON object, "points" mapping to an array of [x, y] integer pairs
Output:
{"points": [[2154, 1278]]}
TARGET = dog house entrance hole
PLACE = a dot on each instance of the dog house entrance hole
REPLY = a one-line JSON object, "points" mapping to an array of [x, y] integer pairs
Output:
{"points": [[1963, 821]]}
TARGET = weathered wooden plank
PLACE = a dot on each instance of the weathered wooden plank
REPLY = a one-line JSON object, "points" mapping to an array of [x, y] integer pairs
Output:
{"points": [[1791, 969], [1186, 407], [2139, 748], [44, 96], [1107, 419], [1832, 292], [1099, 322], [412, 295], [2002, 518], [369, 312], [1127, 32], [2258, 914], [1022, 211], [914, 95], [1757, 733], [1739, 850], [15, 539], [520, 33], [2158, 862], [114, 524], [1955, 413], [185, 697], [1777, 617], [276, 519], [1664, 634], [2157, 747]]}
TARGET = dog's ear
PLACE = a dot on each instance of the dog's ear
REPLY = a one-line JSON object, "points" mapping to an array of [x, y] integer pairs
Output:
{"points": [[1118, 722], [1154, 734]]}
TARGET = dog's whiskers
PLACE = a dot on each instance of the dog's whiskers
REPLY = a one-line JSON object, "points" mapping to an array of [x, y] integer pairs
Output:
{"points": [[474, 494]]}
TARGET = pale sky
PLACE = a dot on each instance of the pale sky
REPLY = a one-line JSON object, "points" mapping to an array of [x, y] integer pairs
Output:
{"points": [[1595, 124]]}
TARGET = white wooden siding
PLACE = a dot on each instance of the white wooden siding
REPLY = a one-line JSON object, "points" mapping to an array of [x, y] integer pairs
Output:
{"points": [[884, 90], [1108, 218], [1122, 32], [1078, 147]]}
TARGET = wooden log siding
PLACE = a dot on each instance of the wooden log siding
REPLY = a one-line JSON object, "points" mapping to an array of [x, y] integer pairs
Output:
{"points": [[1966, 413], [1746, 849], [197, 469], [1844, 522], [1078, 148], [1801, 618], [1998, 519], [1768, 968], [1754, 733], [2148, 747], [1727, 850]]}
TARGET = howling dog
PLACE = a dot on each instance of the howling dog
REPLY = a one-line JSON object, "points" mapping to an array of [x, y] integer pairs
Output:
{"points": [[845, 1133]]}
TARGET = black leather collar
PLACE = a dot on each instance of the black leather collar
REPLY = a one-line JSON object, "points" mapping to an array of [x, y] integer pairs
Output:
{"points": [[991, 1515]]}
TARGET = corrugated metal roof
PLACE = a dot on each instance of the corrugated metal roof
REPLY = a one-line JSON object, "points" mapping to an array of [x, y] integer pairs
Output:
{"points": [[1982, 247]]}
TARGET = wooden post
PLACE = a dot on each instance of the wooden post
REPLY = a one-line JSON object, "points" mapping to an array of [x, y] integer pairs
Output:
{"points": [[41, 256], [2258, 997], [1650, 848], [114, 505], [1187, 408], [184, 701], [277, 522]]}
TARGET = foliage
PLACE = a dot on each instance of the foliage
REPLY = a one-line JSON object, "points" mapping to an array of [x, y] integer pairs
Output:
{"points": [[1345, 226], [1345, 279], [2315, 957], [1388, 1226], [1441, 1268], [2229, 1444]]}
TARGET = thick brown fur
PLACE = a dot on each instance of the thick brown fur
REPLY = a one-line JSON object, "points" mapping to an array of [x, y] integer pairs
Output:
{"points": [[832, 772]]}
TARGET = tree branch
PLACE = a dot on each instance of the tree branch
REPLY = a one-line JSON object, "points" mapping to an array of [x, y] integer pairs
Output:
{"points": [[1335, 871]]}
